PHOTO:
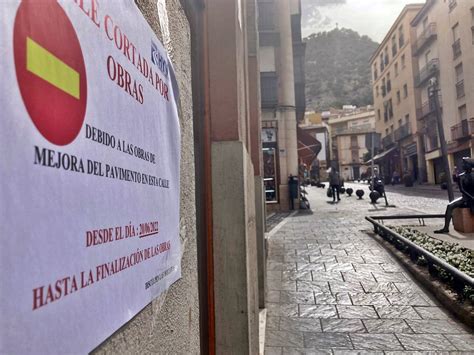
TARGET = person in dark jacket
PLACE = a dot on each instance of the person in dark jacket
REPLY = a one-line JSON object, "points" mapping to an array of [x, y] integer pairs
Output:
{"points": [[334, 184]]}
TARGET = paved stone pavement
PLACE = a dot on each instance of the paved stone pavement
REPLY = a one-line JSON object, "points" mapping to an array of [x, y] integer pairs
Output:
{"points": [[332, 289], [421, 199]]}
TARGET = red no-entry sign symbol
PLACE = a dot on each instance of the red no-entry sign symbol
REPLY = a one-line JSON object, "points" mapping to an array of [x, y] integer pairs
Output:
{"points": [[50, 70]]}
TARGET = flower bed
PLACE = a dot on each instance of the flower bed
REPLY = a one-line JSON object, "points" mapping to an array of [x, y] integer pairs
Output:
{"points": [[459, 257]]}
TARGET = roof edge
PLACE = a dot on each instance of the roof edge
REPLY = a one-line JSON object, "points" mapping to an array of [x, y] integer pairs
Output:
{"points": [[416, 20], [394, 25]]}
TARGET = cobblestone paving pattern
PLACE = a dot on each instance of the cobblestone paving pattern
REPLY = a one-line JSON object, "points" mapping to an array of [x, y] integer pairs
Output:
{"points": [[332, 289]]}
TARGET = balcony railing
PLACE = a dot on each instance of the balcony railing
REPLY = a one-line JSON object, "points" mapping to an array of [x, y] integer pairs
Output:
{"points": [[460, 130], [457, 48], [428, 71], [402, 132], [387, 141], [427, 108], [460, 89], [428, 34]]}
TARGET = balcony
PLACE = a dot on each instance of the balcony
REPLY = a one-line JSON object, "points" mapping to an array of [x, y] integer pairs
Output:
{"points": [[452, 5], [462, 130], [457, 48], [402, 132], [429, 34], [427, 108], [387, 141], [427, 72], [460, 89]]}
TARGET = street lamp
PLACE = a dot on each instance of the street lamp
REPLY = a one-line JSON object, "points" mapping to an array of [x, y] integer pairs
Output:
{"points": [[433, 92]]}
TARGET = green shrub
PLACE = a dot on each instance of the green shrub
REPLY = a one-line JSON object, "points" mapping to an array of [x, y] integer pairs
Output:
{"points": [[458, 256]]}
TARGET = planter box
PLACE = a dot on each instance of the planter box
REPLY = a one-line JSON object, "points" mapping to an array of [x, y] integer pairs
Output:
{"points": [[463, 220]]}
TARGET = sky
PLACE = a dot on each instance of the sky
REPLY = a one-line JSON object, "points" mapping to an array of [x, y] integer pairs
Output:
{"points": [[368, 17]]}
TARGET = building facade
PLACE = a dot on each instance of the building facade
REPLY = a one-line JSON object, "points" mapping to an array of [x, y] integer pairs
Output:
{"points": [[444, 55], [282, 95], [350, 134], [395, 99]]}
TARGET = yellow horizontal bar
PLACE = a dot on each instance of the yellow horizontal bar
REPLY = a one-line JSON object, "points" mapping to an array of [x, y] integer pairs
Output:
{"points": [[50, 68]]}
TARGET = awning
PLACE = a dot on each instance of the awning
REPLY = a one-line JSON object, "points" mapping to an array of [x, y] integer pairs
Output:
{"points": [[308, 147], [382, 155]]}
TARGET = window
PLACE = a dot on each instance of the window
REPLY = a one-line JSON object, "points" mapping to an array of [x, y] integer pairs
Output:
{"points": [[382, 66], [389, 83], [459, 72], [405, 91], [396, 69], [398, 97], [386, 60], [456, 41], [266, 16], [472, 33], [269, 88], [425, 23], [375, 71], [377, 91], [455, 32], [394, 45], [462, 113], [407, 118], [403, 61], [400, 122], [386, 131], [401, 37], [390, 109], [378, 114]]}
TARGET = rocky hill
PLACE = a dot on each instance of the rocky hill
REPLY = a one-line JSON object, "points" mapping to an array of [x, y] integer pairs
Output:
{"points": [[337, 69]]}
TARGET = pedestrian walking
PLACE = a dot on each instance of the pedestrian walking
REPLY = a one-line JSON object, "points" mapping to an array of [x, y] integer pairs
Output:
{"points": [[334, 184]]}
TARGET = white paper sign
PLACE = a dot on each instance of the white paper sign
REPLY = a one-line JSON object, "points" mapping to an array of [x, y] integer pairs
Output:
{"points": [[90, 153]]}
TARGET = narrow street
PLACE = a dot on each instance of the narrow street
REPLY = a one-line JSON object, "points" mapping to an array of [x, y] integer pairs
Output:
{"points": [[332, 289]]}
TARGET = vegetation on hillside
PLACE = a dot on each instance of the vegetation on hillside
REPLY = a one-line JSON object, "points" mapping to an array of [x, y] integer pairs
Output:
{"points": [[338, 70]]}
